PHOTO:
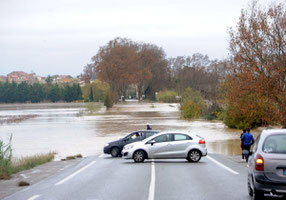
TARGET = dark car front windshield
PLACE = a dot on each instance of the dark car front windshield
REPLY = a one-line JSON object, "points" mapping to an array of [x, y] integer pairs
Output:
{"points": [[275, 144]]}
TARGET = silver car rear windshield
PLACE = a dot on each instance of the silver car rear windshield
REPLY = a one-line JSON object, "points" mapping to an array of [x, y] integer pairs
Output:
{"points": [[275, 144]]}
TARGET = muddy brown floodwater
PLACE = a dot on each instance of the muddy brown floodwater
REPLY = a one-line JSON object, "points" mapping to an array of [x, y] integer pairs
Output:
{"points": [[67, 130]]}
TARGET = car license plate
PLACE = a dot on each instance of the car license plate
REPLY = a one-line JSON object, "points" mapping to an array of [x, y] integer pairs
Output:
{"points": [[284, 172]]}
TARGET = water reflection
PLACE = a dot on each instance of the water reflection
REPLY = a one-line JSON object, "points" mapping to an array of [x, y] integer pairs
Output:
{"points": [[60, 128]]}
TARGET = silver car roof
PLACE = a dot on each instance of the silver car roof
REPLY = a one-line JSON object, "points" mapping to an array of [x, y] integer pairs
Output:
{"points": [[171, 132], [273, 131]]}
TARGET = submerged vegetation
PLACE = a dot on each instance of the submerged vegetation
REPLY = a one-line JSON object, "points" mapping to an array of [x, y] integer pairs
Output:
{"points": [[167, 96], [92, 108], [192, 105], [7, 119]]}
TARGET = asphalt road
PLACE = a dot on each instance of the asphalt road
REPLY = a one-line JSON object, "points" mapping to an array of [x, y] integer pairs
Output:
{"points": [[103, 177]]}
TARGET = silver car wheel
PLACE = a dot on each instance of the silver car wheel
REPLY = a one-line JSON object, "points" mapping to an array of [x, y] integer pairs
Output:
{"points": [[194, 156], [138, 156]]}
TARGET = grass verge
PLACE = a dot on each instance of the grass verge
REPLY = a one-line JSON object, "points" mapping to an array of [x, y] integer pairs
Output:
{"points": [[25, 163], [29, 162]]}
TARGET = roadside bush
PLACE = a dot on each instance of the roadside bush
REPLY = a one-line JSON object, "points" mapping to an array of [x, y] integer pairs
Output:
{"points": [[5, 159], [250, 111], [233, 119], [167, 96]]}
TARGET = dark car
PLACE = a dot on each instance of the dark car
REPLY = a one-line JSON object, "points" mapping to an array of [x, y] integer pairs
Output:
{"points": [[114, 148], [267, 164]]}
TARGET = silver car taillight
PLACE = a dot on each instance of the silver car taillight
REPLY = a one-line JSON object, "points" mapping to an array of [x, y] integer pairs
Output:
{"points": [[259, 163]]}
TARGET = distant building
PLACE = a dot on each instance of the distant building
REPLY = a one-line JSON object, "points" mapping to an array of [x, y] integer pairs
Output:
{"points": [[65, 79], [3, 78], [19, 77]]}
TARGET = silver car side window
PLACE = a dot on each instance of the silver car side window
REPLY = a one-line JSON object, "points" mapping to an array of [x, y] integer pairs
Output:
{"points": [[163, 138], [178, 137]]}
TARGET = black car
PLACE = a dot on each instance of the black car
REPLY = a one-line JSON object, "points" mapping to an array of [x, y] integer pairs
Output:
{"points": [[114, 148]]}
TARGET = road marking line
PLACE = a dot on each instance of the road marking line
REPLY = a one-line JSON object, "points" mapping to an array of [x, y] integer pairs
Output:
{"points": [[34, 197], [223, 166], [152, 182], [102, 155], [75, 173]]}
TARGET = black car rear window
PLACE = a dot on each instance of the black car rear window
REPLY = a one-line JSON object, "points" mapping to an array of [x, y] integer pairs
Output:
{"points": [[275, 144]]}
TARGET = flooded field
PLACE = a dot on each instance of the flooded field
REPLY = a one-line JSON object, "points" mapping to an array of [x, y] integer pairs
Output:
{"points": [[68, 130]]}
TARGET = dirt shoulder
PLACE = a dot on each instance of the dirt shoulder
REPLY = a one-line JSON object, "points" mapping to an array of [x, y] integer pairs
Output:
{"points": [[32, 176]]}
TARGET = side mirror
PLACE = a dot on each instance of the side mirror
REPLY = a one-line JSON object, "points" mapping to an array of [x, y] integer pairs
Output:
{"points": [[152, 142]]}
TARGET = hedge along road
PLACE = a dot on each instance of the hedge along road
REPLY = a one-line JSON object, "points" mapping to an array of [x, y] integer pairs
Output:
{"points": [[103, 177], [68, 130]]}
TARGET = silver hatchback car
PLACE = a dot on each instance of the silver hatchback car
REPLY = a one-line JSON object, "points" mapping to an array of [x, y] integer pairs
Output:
{"points": [[267, 164], [167, 145]]}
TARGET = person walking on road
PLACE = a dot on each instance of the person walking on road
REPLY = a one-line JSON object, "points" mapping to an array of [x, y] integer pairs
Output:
{"points": [[248, 140], [241, 143], [148, 126]]}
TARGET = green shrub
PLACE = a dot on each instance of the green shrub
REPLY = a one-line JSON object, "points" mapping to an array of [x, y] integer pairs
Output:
{"points": [[5, 159], [190, 110], [86, 99], [234, 119], [108, 102], [167, 96], [214, 112], [192, 105], [95, 91]]}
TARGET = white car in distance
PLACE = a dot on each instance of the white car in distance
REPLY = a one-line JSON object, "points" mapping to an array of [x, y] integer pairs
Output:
{"points": [[167, 145]]}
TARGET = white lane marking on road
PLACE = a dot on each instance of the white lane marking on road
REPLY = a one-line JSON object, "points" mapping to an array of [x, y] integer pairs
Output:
{"points": [[102, 155], [75, 173], [223, 166], [34, 197], [152, 182]]}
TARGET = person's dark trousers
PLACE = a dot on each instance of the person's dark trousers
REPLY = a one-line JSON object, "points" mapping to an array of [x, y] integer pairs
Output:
{"points": [[246, 156]]}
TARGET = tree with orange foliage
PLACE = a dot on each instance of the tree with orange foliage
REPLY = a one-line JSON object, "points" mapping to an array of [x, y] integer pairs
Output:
{"points": [[257, 86], [115, 63], [153, 72], [123, 62]]}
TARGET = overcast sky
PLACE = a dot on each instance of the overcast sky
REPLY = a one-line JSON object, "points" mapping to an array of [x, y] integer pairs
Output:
{"points": [[51, 37]]}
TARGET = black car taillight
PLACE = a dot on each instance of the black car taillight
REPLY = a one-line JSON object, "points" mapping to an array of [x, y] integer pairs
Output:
{"points": [[259, 163]]}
